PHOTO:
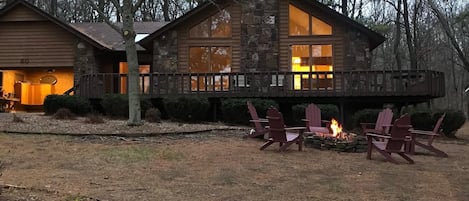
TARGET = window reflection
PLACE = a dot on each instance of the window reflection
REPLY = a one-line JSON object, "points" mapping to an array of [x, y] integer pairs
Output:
{"points": [[216, 26], [221, 24], [200, 30], [209, 60]]}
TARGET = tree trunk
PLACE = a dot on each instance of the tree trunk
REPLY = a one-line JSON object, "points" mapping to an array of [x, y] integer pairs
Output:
{"points": [[397, 40], [344, 7], [53, 8], [128, 33], [409, 38], [101, 5], [166, 16]]}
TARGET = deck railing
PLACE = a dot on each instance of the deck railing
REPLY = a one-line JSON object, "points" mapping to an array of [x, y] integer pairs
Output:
{"points": [[272, 84]]}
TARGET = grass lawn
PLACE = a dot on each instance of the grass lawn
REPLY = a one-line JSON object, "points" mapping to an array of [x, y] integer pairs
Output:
{"points": [[219, 166]]}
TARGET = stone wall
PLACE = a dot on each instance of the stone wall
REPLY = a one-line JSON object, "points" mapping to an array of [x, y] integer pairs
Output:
{"points": [[165, 52], [85, 61], [259, 35]]}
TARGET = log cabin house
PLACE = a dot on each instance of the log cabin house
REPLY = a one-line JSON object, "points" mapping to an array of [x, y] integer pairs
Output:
{"points": [[288, 50]]}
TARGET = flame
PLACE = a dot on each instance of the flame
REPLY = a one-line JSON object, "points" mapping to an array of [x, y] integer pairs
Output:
{"points": [[335, 127]]}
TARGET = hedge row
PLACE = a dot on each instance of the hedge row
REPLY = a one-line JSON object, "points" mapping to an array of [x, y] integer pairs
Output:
{"points": [[235, 111]]}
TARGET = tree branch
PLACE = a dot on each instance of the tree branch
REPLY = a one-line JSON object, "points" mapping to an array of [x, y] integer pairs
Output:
{"points": [[106, 19], [137, 5], [444, 23], [117, 5]]}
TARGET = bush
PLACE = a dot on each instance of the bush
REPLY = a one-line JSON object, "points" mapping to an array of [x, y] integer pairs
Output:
{"points": [[64, 113], [363, 116], [453, 121], [328, 111], [426, 120], [187, 108], [77, 105], [153, 115], [235, 110], [423, 120], [117, 105]]}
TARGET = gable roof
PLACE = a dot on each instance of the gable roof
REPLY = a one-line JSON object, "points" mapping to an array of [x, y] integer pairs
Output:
{"points": [[52, 19], [108, 37], [375, 38]]}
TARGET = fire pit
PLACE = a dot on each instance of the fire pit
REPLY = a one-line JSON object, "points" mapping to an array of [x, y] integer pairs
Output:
{"points": [[337, 140]]}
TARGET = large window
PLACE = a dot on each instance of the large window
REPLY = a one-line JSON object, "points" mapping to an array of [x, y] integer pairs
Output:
{"points": [[144, 78], [302, 23], [313, 62], [209, 60], [216, 26], [206, 59]]}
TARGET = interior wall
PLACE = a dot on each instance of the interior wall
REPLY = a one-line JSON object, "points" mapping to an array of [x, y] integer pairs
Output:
{"points": [[33, 76], [64, 78], [9, 79]]}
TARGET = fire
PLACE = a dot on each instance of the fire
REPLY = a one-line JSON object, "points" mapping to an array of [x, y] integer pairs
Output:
{"points": [[335, 127]]}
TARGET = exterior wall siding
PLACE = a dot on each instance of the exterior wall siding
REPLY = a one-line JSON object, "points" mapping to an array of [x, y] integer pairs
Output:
{"points": [[35, 44], [21, 14]]}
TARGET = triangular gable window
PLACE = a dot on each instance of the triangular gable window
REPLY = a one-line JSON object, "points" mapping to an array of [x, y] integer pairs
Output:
{"points": [[302, 23], [216, 26]]}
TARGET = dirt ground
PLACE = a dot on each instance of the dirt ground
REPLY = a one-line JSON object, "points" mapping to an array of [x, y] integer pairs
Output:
{"points": [[218, 165]]}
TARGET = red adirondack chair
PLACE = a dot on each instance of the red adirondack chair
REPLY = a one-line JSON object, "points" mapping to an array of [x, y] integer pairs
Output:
{"points": [[281, 134], [259, 128], [382, 124], [430, 137], [313, 120], [394, 143]]}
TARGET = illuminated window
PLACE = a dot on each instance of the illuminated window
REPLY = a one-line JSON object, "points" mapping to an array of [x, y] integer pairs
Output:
{"points": [[216, 26], [302, 23], [144, 78], [299, 22], [320, 27], [209, 60], [308, 59]]}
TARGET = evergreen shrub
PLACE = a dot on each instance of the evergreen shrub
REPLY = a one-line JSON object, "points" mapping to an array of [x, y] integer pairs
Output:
{"points": [[77, 105], [235, 110], [190, 109]]}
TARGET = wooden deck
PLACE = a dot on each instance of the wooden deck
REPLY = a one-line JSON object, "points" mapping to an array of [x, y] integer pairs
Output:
{"points": [[358, 84]]}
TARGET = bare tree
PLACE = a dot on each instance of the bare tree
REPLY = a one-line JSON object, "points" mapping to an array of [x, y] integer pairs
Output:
{"points": [[449, 33], [409, 37], [127, 10]]}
